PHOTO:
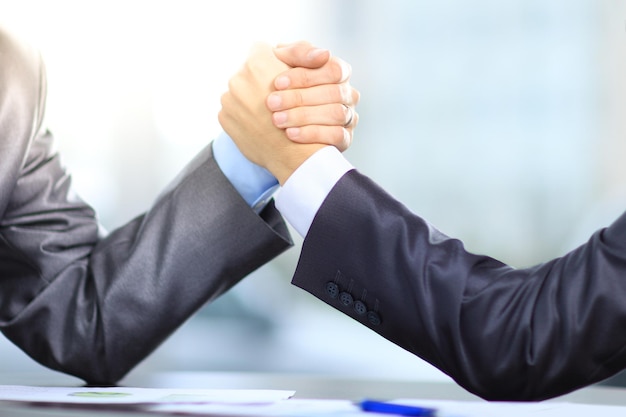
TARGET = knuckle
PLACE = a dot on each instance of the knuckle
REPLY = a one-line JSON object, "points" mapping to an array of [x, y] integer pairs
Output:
{"points": [[341, 139], [234, 85], [225, 100], [329, 93], [248, 67], [299, 77], [348, 137], [356, 95], [221, 118], [305, 78], [339, 69], [313, 134], [335, 71], [252, 65], [337, 113], [302, 46], [345, 139], [308, 134], [298, 98], [345, 93], [304, 115], [231, 83], [340, 113]]}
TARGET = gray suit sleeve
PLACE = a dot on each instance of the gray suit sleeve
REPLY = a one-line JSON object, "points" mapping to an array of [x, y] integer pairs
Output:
{"points": [[500, 332], [94, 306]]}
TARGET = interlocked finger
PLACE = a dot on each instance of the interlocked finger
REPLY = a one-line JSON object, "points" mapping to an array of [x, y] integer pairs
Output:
{"points": [[336, 114]]}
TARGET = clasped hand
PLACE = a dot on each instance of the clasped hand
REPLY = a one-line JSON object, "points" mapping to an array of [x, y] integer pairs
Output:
{"points": [[285, 103]]}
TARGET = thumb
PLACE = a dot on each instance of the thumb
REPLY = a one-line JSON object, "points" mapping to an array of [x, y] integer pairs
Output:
{"points": [[302, 54]]}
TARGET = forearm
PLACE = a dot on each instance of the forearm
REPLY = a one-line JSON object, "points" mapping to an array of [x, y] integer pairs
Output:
{"points": [[501, 333], [108, 303]]}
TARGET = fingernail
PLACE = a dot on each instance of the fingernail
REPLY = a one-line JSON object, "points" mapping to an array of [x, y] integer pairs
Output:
{"points": [[282, 82], [274, 101], [280, 118], [293, 133], [315, 53]]}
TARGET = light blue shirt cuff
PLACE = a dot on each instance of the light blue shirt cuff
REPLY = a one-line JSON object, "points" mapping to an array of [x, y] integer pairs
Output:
{"points": [[254, 183]]}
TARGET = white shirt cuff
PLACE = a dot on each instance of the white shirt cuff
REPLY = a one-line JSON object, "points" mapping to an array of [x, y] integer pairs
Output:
{"points": [[299, 199]]}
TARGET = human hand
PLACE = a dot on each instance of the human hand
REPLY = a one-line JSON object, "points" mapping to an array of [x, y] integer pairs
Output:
{"points": [[245, 117], [314, 103]]}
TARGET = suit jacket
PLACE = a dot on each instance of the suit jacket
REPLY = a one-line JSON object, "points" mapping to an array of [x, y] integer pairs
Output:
{"points": [[92, 305], [500, 332]]}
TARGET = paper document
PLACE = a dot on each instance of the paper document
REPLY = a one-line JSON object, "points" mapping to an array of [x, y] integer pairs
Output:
{"points": [[344, 408], [283, 408], [139, 396], [277, 403]]}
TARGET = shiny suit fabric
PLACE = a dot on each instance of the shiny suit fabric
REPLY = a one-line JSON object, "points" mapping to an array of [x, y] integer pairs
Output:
{"points": [[94, 305], [500, 332]]}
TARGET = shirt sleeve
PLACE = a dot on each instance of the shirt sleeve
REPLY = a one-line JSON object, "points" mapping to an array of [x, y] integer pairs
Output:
{"points": [[254, 183], [306, 189]]}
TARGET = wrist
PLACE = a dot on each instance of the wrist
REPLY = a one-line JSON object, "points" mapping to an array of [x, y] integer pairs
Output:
{"points": [[283, 167]]}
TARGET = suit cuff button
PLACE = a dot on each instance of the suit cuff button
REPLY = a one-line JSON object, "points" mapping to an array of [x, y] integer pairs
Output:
{"points": [[346, 299], [373, 318], [332, 289], [360, 308]]}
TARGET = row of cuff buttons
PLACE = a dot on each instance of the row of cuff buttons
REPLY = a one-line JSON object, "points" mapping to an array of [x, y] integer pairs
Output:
{"points": [[345, 298]]}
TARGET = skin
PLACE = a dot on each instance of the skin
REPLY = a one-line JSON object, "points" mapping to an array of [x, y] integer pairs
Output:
{"points": [[297, 98]]}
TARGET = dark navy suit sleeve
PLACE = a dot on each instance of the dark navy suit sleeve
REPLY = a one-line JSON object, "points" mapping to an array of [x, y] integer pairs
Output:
{"points": [[500, 332]]}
